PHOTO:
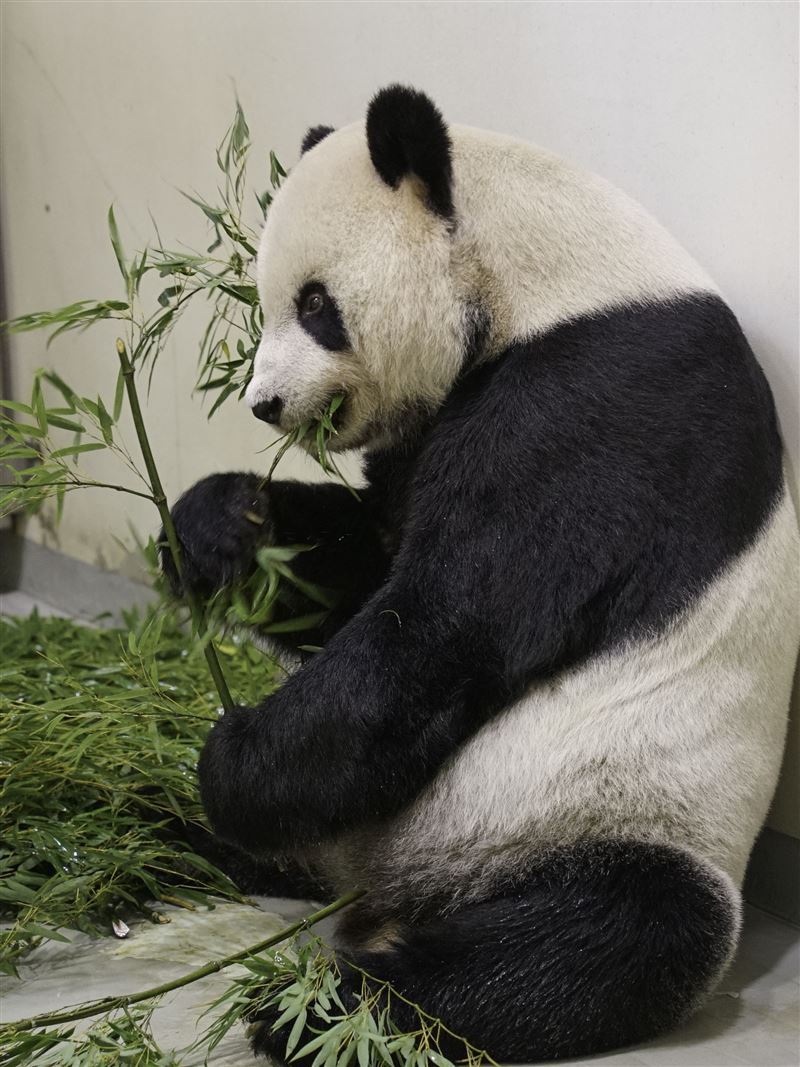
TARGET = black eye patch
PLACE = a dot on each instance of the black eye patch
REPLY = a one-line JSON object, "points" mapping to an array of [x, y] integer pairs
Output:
{"points": [[319, 315]]}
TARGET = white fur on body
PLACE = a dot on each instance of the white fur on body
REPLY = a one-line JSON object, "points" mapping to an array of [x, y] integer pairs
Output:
{"points": [[675, 740]]}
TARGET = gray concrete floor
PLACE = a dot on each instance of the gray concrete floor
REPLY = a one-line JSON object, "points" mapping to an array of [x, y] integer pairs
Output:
{"points": [[18, 603], [56, 975], [753, 1021]]}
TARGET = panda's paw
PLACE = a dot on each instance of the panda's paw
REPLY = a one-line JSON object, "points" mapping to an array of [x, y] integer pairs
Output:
{"points": [[221, 521]]}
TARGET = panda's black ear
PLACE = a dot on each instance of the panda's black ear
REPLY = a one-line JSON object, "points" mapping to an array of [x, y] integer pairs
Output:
{"points": [[313, 136], [406, 134]]}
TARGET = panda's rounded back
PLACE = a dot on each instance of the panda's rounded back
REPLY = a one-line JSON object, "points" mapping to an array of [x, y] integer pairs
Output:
{"points": [[547, 242]]}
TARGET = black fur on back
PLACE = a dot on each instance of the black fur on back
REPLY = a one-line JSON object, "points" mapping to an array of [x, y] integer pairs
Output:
{"points": [[406, 134]]}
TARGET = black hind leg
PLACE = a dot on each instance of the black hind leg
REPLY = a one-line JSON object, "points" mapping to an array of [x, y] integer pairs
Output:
{"points": [[602, 946]]}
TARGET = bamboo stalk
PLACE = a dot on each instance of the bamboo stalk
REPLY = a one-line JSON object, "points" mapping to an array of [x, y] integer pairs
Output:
{"points": [[108, 1004], [160, 500]]}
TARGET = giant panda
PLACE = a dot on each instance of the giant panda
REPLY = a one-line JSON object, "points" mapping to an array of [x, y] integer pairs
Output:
{"points": [[547, 717]]}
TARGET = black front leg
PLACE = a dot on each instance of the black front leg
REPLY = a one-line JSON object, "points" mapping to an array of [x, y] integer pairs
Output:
{"points": [[357, 732]]}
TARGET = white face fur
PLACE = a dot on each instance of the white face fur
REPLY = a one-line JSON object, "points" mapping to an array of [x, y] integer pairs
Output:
{"points": [[533, 242], [384, 258]]}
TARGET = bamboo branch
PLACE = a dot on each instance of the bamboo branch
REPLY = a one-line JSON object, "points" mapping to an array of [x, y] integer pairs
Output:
{"points": [[108, 1004], [160, 500], [73, 484]]}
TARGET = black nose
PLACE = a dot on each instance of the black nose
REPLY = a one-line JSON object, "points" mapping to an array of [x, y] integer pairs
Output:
{"points": [[269, 410]]}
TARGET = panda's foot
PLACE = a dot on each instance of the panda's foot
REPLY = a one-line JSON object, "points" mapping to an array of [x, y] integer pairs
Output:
{"points": [[603, 945]]}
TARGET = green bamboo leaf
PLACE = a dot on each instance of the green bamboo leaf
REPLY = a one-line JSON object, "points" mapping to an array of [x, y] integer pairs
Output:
{"points": [[276, 171], [263, 200], [327, 1038], [37, 403], [116, 244], [240, 132], [223, 396], [20, 430], [290, 1009], [89, 406], [77, 450], [9, 452], [106, 422], [45, 931], [14, 405], [246, 294], [214, 383], [168, 294], [138, 269], [302, 622], [215, 214], [66, 391], [320, 594], [280, 553], [296, 1032], [160, 324], [65, 424], [119, 396]]}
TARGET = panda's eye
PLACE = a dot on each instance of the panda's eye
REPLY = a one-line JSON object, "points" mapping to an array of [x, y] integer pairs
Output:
{"points": [[318, 314], [312, 304]]}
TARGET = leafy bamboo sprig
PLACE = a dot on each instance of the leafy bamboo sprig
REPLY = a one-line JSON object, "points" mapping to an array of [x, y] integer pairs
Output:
{"points": [[123, 1037], [222, 276], [99, 734], [301, 982], [160, 501], [298, 984], [37, 466]]}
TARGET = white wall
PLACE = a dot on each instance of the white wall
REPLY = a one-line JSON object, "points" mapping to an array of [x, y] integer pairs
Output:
{"points": [[692, 108]]}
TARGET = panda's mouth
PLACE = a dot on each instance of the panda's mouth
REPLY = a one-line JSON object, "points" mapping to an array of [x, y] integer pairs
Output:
{"points": [[321, 433]]}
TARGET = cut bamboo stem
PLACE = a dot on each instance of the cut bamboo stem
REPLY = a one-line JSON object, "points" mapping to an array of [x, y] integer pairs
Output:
{"points": [[108, 1004], [160, 500]]}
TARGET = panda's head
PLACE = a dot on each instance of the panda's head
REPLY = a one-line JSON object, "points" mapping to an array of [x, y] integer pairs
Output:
{"points": [[381, 276], [356, 279]]}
